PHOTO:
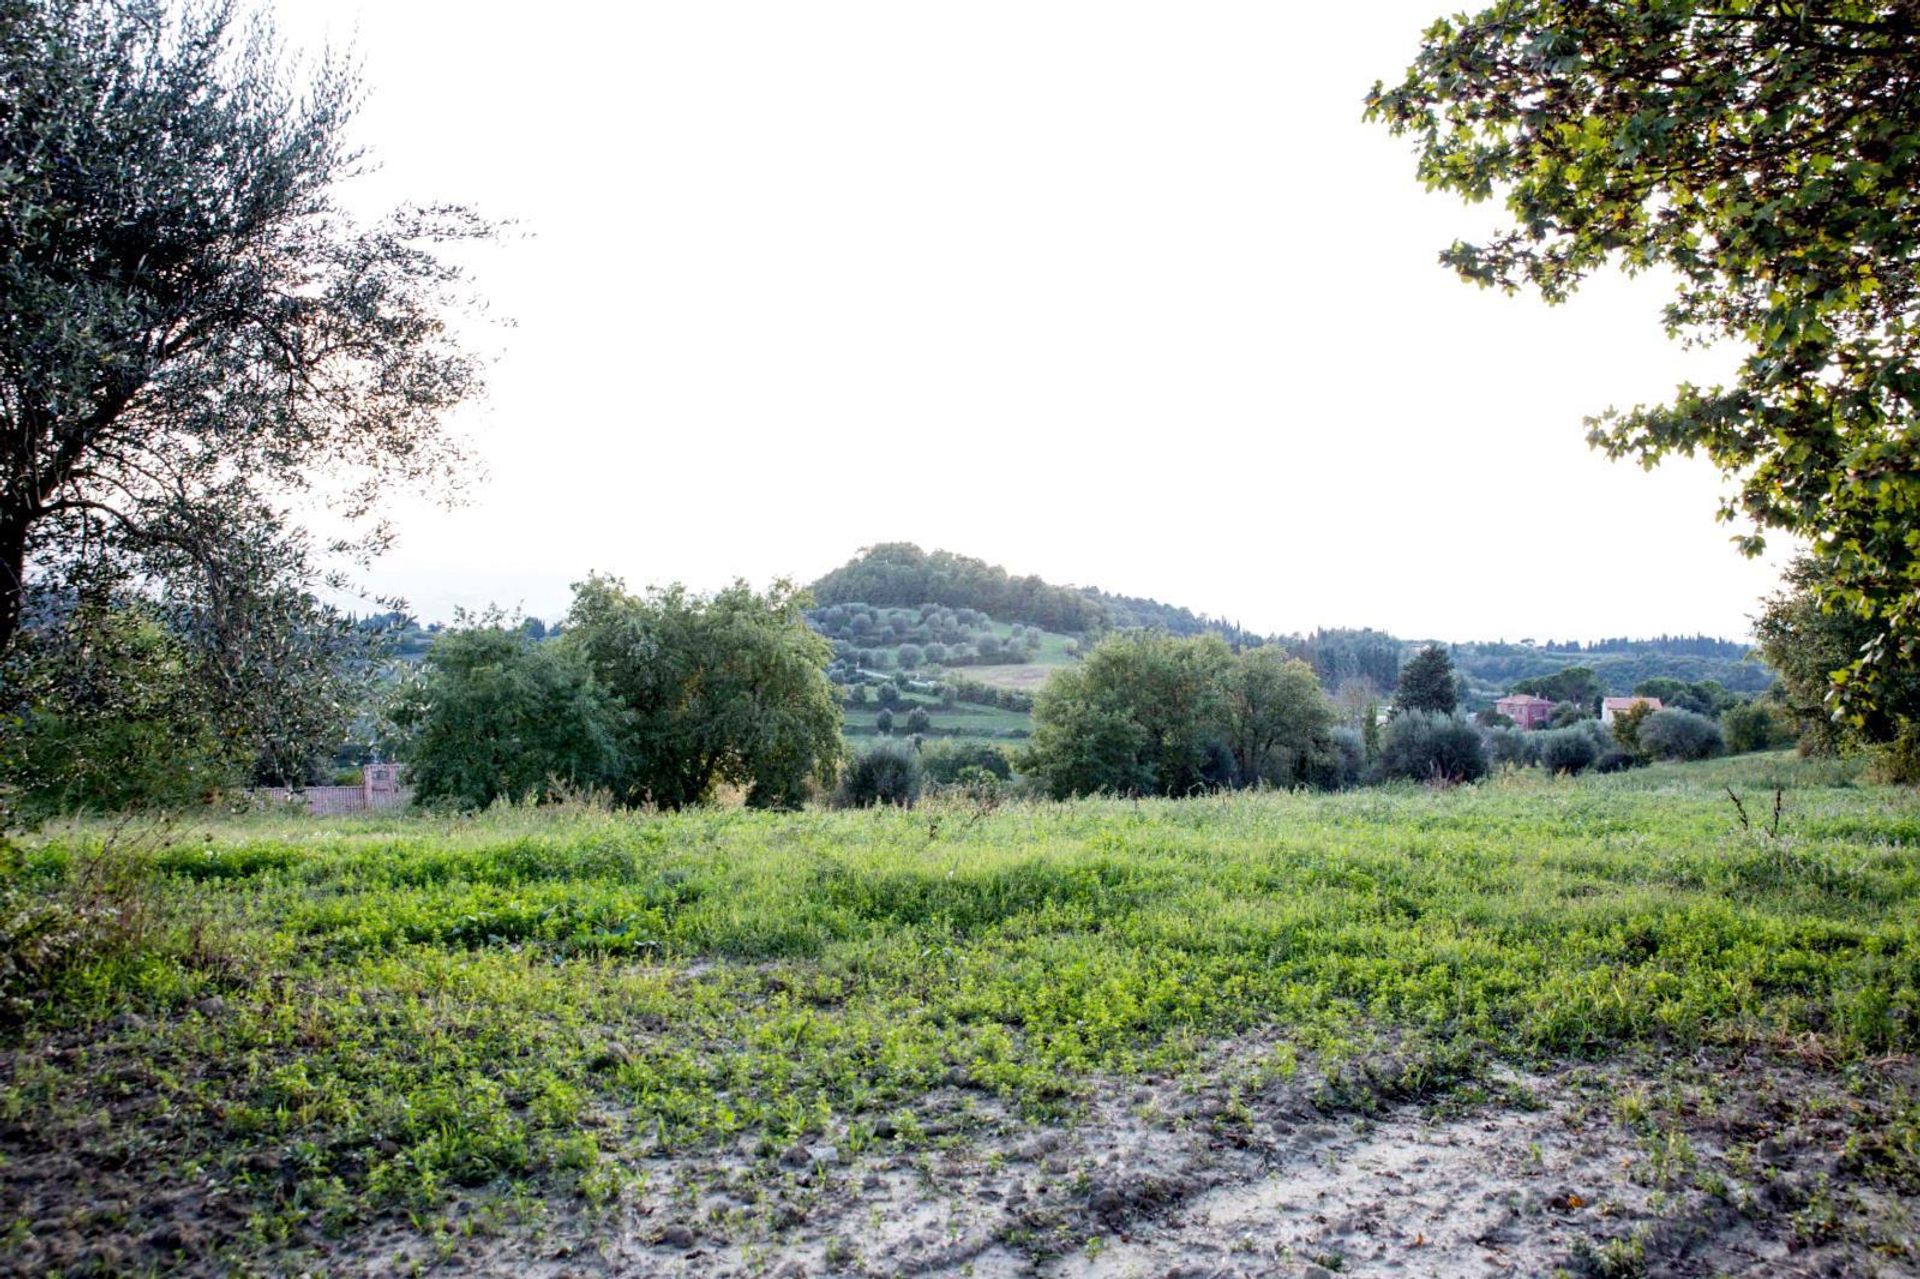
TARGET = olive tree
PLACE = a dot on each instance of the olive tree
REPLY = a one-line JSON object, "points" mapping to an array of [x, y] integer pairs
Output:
{"points": [[192, 330]]}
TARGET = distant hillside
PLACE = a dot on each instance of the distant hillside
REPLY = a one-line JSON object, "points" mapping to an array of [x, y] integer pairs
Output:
{"points": [[1618, 663], [901, 576]]}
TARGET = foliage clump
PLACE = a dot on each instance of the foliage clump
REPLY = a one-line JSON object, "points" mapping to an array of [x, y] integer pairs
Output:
{"points": [[496, 714], [659, 698], [1570, 750], [1148, 714], [1681, 735], [887, 773], [1428, 746]]}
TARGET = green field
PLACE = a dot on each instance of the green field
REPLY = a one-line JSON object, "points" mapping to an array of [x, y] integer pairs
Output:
{"points": [[961, 720], [286, 1030]]}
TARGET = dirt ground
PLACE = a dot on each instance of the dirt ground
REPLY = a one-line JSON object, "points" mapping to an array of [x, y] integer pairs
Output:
{"points": [[1673, 1168]]}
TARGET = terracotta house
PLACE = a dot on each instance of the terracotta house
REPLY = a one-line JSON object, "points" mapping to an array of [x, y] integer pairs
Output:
{"points": [[1525, 710], [1614, 705]]}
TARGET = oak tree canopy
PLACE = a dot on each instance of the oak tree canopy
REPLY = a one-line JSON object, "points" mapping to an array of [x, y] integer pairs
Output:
{"points": [[1766, 156]]}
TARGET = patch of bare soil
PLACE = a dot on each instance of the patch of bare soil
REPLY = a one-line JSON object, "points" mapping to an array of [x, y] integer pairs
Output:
{"points": [[1689, 1168]]}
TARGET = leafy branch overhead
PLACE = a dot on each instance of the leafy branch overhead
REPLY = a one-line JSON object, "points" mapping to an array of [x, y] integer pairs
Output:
{"points": [[1767, 157]]}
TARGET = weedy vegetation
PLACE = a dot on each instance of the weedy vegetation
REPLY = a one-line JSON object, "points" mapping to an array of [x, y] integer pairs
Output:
{"points": [[314, 1024]]}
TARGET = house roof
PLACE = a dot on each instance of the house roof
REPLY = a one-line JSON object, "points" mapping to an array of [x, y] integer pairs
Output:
{"points": [[1523, 699], [1628, 703]]}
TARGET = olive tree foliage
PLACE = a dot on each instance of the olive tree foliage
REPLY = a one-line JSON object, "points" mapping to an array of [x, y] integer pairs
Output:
{"points": [[1678, 734], [193, 334], [1763, 156], [495, 714], [1433, 746], [887, 773], [726, 688], [104, 714], [1804, 641]]}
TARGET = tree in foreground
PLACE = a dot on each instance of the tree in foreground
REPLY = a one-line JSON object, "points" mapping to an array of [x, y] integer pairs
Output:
{"points": [[192, 332], [496, 714], [1757, 725], [1763, 157], [1426, 683], [1141, 715], [726, 688], [104, 714]]}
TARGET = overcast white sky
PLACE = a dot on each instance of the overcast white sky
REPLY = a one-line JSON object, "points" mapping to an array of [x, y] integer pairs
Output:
{"points": [[1121, 294]]}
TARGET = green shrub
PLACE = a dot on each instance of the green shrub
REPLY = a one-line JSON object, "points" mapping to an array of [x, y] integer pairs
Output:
{"points": [[943, 762], [1430, 746], [1512, 747], [493, 714], [886, 774], [1568, 750], [1342, 765], [1616, 760], [1756, 726], [1678, 734]]}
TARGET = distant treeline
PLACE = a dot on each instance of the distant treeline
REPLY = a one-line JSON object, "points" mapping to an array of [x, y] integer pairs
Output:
{"points": [[1620, 666], [901, 575]]}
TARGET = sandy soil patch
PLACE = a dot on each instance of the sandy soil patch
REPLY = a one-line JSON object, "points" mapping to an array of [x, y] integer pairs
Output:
{"points": [[1689, 1168]]}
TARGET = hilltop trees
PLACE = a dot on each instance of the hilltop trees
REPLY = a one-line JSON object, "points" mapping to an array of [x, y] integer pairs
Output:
{"points": [[900, 574], [1764, 158], [1427, 684]]}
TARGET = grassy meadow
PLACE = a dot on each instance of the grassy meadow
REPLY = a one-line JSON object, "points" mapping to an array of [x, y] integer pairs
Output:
{"points": [[317, 1023]]}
